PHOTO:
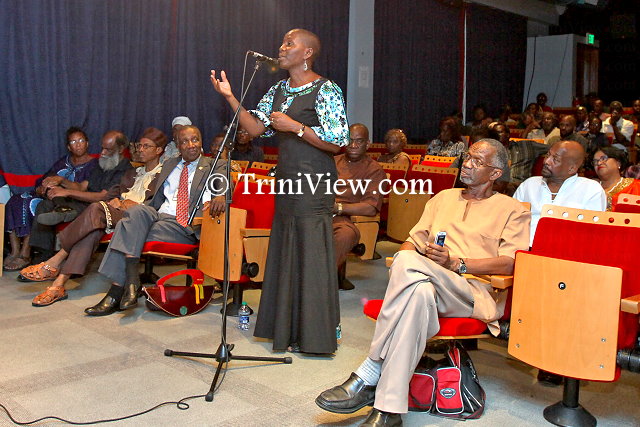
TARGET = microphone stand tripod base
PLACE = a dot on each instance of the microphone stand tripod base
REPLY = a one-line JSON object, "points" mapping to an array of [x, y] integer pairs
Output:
{"points": [[223, 355]]}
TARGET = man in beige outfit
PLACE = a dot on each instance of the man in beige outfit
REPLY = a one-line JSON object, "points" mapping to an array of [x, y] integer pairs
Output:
{"points": [[484, 230]]}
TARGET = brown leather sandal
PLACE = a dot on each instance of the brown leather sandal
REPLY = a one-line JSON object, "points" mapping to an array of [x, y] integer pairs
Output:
{"points": [[38, 273], [50, 295]]}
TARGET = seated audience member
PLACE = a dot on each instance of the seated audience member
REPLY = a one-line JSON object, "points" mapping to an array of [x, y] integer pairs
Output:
{"points": [[500, 132], [560, 184], [534, 109], [527, 118], [162, 218], [80, 238], [594, 136], [244, 148], [480, 117], [395, 141], [622, 129], [19, 211], [449, 142], [609, 163], [634, 117], [355, 166], [598, 109], [632, 171], [567, 126], [541, 100], [67, 199], [548, 128], [582, 120], [213, 149], [505, 115], [484, 230], [171, 150]]}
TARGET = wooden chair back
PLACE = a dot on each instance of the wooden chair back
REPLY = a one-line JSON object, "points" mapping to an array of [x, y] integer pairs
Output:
{"points": [[271, 158], [438, 161], [581, 263], [628, 203], [259, 168]]}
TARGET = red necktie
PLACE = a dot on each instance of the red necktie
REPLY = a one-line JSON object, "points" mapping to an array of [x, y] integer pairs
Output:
{"points": [[182, 208]]}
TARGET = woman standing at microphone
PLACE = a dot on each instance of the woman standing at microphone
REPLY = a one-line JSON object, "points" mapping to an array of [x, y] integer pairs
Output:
{"points": [[299, 307]]}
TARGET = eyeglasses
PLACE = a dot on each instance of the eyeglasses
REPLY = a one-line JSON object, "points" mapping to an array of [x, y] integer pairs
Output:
{"points": [[599, 160], [195, 140], [77, 141], [140, 146], [476, 163], [357, 142]]}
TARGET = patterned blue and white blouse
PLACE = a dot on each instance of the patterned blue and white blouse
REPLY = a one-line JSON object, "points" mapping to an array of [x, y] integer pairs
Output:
{"points": [[329, 107]]}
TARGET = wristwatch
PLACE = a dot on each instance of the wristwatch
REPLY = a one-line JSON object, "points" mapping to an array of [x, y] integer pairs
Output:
{"points": [[301, 131], [339, 208], [462, 268]]}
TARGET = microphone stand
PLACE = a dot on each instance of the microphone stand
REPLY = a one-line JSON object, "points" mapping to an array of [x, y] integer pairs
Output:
{"points": [[223, 353]]}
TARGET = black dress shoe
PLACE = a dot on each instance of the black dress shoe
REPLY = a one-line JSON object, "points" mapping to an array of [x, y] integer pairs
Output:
{"points": [[106, 306], [349, 397], [130, 296], [548, 379], [378, 418]]}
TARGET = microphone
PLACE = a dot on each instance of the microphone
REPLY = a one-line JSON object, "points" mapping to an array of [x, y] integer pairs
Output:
{"points": [[263, 58]]}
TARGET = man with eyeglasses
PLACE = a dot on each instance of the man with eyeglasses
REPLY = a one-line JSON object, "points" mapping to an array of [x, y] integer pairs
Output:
{"points": [[353, 198], [79, 239], [164, 218], [112, 166], [483, 231], [244, 148]]}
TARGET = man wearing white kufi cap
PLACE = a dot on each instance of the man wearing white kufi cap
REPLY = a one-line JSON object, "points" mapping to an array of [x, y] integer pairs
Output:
{"points": [[172, 149]]}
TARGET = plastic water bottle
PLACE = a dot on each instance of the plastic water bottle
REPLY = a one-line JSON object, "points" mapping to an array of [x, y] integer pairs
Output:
{"points": [[243, 317]]}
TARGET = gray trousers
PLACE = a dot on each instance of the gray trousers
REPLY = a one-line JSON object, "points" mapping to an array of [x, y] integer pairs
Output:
{"points": [[140, 224], [419, 291]]}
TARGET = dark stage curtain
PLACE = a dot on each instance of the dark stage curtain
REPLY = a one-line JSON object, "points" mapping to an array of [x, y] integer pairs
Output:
{"points": [[417, 66], [130, 64], [496, 57]]}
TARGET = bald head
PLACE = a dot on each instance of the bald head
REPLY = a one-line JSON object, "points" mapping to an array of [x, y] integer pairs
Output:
{"points": [[310, 40], [361, 129], [563, 160], [567, 125], [572, 151]]}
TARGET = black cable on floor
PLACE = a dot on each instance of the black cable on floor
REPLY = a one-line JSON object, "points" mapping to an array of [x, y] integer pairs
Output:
{"points": [[180, 404]]}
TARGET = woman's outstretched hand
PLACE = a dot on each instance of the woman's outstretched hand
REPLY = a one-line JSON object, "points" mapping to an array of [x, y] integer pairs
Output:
{"points": [[222, 86]]}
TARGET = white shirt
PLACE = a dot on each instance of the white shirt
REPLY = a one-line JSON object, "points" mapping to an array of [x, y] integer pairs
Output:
{"points": [[170, 187], [625, 126], [138, 190], [575, 192], [539, 134]]}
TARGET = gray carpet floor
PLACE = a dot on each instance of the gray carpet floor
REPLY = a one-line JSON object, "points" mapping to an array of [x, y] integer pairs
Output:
{"points": [[57, 361]]}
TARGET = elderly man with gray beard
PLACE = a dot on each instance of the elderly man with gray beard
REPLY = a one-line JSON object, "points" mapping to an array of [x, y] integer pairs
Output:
{"points": [[66, 199]]}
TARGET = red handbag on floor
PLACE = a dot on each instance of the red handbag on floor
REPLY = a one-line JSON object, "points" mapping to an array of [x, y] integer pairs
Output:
{"points": [[178, 300], [449, 387]]}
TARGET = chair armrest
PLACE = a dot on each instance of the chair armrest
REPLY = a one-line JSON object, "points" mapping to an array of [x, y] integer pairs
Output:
{"points": [[197, 221], [362, 218], [630, 304], [497, 281], [255, 232]]}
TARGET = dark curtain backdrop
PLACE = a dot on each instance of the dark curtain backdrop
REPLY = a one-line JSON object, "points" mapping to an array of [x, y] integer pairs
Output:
{"points": [[496, 57], [130, 64], [417, 66]]}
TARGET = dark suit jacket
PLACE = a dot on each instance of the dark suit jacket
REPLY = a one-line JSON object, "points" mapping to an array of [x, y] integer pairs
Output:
{"points": [[198, 183]]}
